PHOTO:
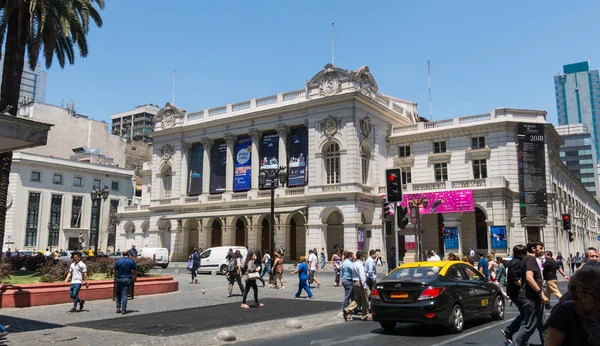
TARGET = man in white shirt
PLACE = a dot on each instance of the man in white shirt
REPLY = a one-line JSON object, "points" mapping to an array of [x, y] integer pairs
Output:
{"points": [[371, 269], [471, 252], [359, 281], [313, 261], [78, 275], [433, 256]]}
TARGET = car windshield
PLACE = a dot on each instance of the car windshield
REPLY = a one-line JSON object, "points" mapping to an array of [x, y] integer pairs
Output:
{"points": [[417, 274], [118, 253]]}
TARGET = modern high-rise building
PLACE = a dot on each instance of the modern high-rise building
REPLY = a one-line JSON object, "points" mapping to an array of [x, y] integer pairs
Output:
{"points": [[33, 83], [577, 93], [136, 124], [579, 154]]}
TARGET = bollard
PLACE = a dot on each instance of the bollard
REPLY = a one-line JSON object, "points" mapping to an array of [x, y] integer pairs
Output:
{"points": [[226, 335]]}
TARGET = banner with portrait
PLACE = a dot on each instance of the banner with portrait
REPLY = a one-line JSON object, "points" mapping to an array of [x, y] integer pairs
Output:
{"points": [[269, 155], [243, 164], [298, 157], [451, 238], [218, 166], [499, 237]]}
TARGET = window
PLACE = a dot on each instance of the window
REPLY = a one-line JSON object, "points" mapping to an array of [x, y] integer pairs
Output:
{"points": [[472, 274], [477, 142], [441, 172], [33, 207], [404, 151], [78, 181], [97, 183], [57, 179], [454, 273], [76, 212], [36, 176], [439, 147], [114, 186], [479, 169], [54, 225], [406, 175], [562, 154], [332, 163], [167, 180], [365, 156]]}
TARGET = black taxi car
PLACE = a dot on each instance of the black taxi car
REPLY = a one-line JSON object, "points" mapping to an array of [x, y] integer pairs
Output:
{"points": [[445, 293]]}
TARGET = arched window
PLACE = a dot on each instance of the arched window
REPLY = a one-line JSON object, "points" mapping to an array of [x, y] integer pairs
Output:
{"points": [[332, 163], [365, 156], [167, 182]]}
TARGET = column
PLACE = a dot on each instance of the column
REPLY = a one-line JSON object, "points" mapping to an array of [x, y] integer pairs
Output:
{"points": [[282, 131], [230, 139], [256, 135], [185, 171], [206, 146]]}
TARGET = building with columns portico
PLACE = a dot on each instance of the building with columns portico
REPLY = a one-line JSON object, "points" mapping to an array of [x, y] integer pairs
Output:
{"points": [[202, 186]]}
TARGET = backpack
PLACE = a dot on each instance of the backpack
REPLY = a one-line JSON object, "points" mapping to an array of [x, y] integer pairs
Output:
{"points": [[232, 265]]}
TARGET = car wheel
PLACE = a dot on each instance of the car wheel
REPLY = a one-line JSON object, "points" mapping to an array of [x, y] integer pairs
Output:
{"points": [[388, 327], [223, 270], [164, 266], [457, 320], [498, 309]]}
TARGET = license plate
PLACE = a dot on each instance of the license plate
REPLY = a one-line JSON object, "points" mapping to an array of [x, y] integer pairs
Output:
{"points": [[399, 295]]}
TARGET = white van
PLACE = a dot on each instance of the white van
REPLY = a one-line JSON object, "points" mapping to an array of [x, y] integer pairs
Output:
{"points": [[213, 259], [160, 255]]}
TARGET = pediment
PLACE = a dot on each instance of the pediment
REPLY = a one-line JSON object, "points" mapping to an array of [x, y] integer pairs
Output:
{"points": [[333, 80], [404, 161], [169, 116], [478, 154], [440, 157]]}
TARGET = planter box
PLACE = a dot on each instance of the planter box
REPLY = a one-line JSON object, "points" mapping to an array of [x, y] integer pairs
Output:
{"points": [[58, 293]]}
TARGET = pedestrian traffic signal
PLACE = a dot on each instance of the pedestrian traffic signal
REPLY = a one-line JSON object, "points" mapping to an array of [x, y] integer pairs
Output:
{"points": [[394, 184], [386, 211], [571, 238], [402, 219], [566, 220]]}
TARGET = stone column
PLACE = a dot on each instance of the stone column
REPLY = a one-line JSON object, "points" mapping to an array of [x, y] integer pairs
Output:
{"points": [[185, 172], [256, 135], [282, 131], [230, 139], [206, 146]]}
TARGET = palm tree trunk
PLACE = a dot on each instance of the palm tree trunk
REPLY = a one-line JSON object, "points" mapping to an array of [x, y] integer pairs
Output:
{"points": [[14, 59]]}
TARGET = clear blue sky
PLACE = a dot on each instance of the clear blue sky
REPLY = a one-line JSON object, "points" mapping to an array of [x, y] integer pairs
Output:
{"points": [[484, 55]]}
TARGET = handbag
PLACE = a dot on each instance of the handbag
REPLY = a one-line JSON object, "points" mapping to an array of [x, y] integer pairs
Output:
{"points": [[189, 265], [253, 276]]}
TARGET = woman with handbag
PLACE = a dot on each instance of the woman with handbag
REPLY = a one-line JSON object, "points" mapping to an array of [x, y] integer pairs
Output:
{"points": [[336, 264], [194, 263], [252, 274]]}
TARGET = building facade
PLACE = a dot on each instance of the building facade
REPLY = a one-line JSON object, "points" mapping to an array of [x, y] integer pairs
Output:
{"points": [[579, 155], [49, 202], [136, 124], [33, 83], [471, 165], [202, 187]]}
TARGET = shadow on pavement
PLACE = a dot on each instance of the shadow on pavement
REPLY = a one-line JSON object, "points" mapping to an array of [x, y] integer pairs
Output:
{"points": [[416, 329], [20, 325]]}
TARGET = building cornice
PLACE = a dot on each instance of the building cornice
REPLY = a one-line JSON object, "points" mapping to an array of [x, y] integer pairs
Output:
{"points": [[59, 163]]}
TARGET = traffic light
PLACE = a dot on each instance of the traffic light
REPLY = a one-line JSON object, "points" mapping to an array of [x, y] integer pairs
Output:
{"points": [[402, 219], [393, 178], [566, 220], [386, 210], [571, 238]]}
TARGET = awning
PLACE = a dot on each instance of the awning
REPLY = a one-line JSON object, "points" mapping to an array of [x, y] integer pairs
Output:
{"points": [[229, 212]]}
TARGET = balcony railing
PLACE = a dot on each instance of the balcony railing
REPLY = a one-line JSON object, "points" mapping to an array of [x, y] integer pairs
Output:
{"points": [[264, 194], [215, 198], [294, 191], [493, 182], [192, 199], [429, 186], [460, 184], [239, 195], [332, 188]]}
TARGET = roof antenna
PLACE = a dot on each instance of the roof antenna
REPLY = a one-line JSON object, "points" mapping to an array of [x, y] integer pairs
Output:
{"points": [[429, 85], [332, 45], [173, 94]]}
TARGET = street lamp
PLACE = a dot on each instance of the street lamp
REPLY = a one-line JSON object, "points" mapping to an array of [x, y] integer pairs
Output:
{"points": [[97, 197], [273, 175], [414, 206]]}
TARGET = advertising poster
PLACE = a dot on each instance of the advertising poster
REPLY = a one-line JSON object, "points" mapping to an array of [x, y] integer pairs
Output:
{"points": [[218, 166], [451, 238], [361, 239], [196, 163], [269, 154], [243, 164], [410, 242], [298, 153], [441, 202], [533, 199], [499, 237]]}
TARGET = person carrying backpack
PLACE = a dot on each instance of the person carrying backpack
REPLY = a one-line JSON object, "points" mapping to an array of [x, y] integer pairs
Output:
{"points": [[234, 272]]}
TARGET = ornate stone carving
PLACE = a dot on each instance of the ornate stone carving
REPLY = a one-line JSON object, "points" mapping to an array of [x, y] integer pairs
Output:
{"points": [[365, 127], [186, 145], [330, 84], [206, 142], [165, 152], [229, 137], [168, 115], [255, 133], [330, 126], [282, 129]]}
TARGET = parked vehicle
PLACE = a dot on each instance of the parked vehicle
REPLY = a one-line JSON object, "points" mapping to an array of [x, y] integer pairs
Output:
{"points": [[213, 259], [160, 255], [116, 255], [67, 255]]}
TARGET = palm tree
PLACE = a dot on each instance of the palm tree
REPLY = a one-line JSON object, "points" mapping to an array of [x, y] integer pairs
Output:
{"points": [[54, 27]]}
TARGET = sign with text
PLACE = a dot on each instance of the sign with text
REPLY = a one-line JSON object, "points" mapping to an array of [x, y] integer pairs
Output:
{"points": [[243, 164], [269, 154], [218, 166], [298, 155], [441, 202], [410, 242], [531, 154], [451, 237], [498, 237]]}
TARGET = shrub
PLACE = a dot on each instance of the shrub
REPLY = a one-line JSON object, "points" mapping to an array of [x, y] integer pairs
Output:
{"points": [[144, 265], [5, 269], [100, 265], [34, 263], [53, 272], [18, 262]]}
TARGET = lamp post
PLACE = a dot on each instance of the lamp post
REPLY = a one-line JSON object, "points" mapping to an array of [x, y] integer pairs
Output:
{"points": [[98, 195], [414, 206], [273, 175]]}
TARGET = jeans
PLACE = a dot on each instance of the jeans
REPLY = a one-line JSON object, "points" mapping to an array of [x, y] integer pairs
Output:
{"points": [[74, 293], [514, 326], [348, 293], [250, 283], [337, 276], [323, 262], [533, 318], [370, 283], [303, 285], [233, 277], [265, 270], [122, 292], [195, 271]]}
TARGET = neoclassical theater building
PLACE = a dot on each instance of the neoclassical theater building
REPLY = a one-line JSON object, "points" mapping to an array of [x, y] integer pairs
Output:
{"points": [[202, 187]]}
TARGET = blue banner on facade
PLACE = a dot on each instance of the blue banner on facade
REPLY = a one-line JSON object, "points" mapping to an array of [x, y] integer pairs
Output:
{"points": [[298, 153], [451, 238], [218, 166], [243, 164], [269, 155], [499, 237], [196, 163]]}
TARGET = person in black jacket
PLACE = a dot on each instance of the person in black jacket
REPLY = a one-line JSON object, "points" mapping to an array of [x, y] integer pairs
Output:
{"points": [[391, 259], [513, 286]]}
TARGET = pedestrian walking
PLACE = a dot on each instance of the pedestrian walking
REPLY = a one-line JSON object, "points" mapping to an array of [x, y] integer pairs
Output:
{"points": [[252, 273], [378, 259], [550, 267], [571, 263], [278, 271], [371, 270], [578, 260], [266, 266], [561, 261], [513, 286], [258, 263], [314, 267], [133, 251], [234, 272], [346, 274], [125, 272], [336, 264], [392, 260], [359, 282], [471, 252], [483, 266], [195, 259], [492, 267], [77, 275], [323, 258], [302, 272]]}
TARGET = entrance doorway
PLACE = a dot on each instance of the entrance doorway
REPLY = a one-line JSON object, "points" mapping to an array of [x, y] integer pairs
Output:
{"points": [[335, 231], [265, 240], [240, 233], [73, 243], [216, 234], [481, 230]]}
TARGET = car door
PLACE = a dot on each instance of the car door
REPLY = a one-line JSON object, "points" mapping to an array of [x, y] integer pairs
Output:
{"points": [[205, 259], [482, 291], [467, 288]]}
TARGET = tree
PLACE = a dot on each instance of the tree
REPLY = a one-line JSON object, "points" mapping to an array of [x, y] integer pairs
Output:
{"points": [[50, 27]]}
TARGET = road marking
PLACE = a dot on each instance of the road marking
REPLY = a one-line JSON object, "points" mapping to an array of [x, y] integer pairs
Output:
{"points": [[462, 336]]}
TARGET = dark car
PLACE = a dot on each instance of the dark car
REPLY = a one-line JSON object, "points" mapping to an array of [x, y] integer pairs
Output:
{"points": [[445, 293]]}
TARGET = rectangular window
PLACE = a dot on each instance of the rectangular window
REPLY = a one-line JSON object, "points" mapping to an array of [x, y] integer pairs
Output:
{"points": [[54, 225], [441, 172], [114, 186], [57, 179], [406, 175], [479, 169], [365, 169], [439, 147], [404, 151], [477, 142], [78, 181], [76, 212], [97, 183], [36, 176], [33, 208]]}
